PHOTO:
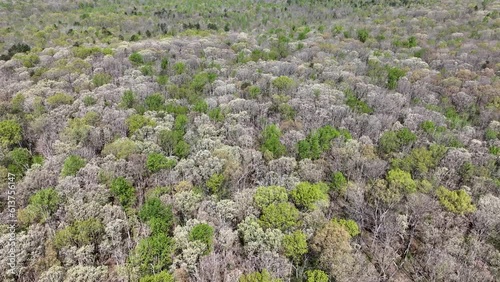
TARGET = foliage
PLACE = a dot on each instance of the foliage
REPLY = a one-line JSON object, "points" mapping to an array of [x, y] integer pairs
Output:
{"points": [[153, 254], [263, 276], [306, 195], [318, 142], [401, 180], [157, 215], [163, 276], [79, 233], [316, 276], [282, 216], [128, 99], [264, 196], [350, 225], [295, 245], [136, 122], [271, 143], [20, 160], [339, 182], [136, 58], [393, 76], [204, 233], [457, 201], [154, 102], [123, 190], [283, 83], [356, 104], [72, 165], [10, 133], [362, 35], [215, 184], [120, 148], [41, 206], [156, 162], [392, 141], [60, 99], [101, 79]]}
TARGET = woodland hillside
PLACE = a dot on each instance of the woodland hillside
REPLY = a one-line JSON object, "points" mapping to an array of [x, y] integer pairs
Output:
{"points": [[250, 140]]}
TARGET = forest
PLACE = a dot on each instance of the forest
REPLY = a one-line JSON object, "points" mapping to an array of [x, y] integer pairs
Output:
{"points": [[250, 140]]}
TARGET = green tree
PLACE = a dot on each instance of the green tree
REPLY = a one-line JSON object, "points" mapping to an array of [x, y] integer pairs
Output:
{"points": [[316, 276], [155, 102], [136, 58], [350, 225], [339, 182], [306, 195], [20, 160], [80, 233], [120, 148], [271, 143], [101, 79], [163, 276], [128, 99], [457, 201], [401, 180], [156, 162], [59, 99], [136, 122], [263, 276], [124, 191], [283, 216], [204, 233], [153, 254], [72, 165], [182, 149], [215, 184], [362, 35], [41, 206], [158, 216], [264, 196], [393, 76], [295, 245], [283, 83], [10, 133]]}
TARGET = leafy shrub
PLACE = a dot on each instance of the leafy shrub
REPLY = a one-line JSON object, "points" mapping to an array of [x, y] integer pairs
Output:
{"points": [[392, 141], [295, 245], [393, 76], [283, 216], [72, 165], [339, 182], [120, 148], [10, 132], [101, 79], [80, 233], [283, 83], [136, 122], [428, 126], [20, 160], [254, 91], [153, 254], [318, 142], [201, 106], [128, 99], [157, 215], [264, 196], [215, 184], [271, 144], [89, 101], [362, 35], [457, 201], [216, 114], [41, 206], [147, 70], [316, 276], [179, 68], [14, 49], [163, 276], [136, 59], [350, 225], [204, 233], [156, 162], [83, 52], [155, 102], [60, 99], [306, 195], [401, 180], [124, 191], [262, 276], [182, 149], [356, 104]]}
